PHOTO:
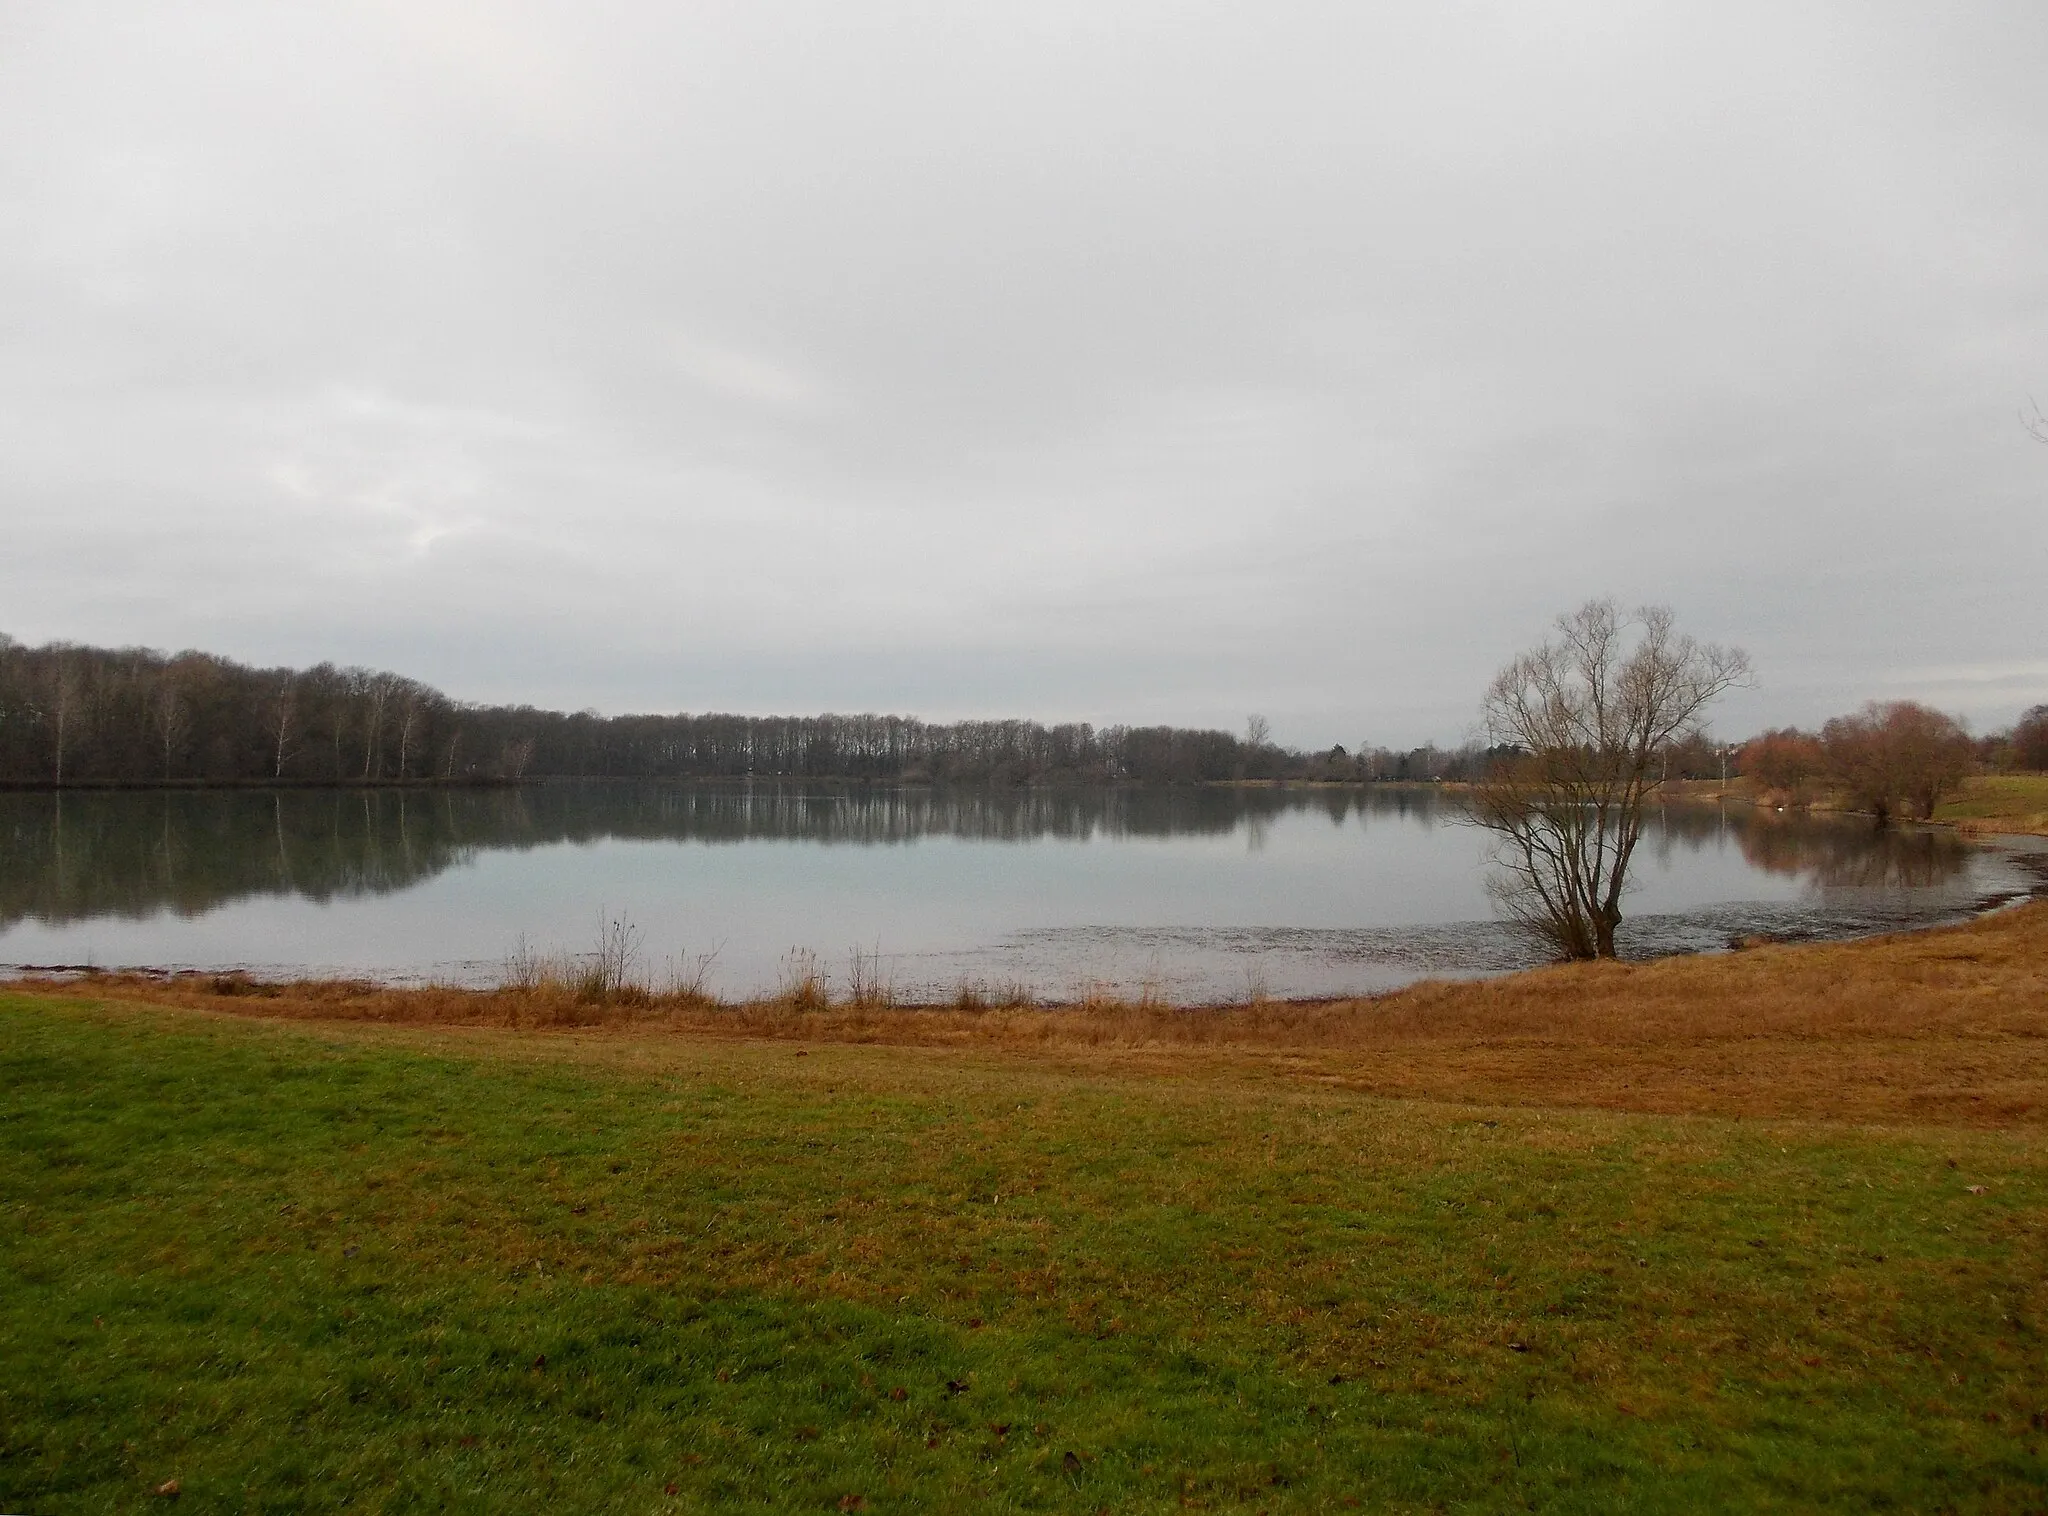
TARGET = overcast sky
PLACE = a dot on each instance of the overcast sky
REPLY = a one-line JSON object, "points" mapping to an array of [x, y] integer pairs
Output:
{"points": [[1096, 361]]}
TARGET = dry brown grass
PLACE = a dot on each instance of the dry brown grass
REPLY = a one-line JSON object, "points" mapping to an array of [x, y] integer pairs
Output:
{"points": [[1943, 1027]]}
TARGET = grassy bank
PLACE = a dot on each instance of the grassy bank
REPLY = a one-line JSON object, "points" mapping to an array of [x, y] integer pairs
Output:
{"points": [[1947, 1026], [1987, 803], [1999, 803], [379, 1253]]}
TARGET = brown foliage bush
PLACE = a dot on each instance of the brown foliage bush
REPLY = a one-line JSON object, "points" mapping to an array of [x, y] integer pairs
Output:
{"points": [[1894, 751], [1783, 759]]}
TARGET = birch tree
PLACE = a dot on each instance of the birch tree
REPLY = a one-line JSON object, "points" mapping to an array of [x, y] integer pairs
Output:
{"points": [[282, 722]]}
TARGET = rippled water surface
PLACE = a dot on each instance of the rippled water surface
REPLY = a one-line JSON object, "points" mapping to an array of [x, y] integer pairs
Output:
{"points": [[1191, 894]]}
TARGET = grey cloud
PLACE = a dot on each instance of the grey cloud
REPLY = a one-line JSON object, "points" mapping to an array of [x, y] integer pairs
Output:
{"points": [[1100, 361]]}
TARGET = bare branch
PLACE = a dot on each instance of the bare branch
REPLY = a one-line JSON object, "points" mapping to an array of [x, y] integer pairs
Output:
{"points": [[1583, 719]]}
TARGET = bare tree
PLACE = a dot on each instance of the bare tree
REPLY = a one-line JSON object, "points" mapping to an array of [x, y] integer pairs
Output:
{"points": [[408, 722], [1896, 751], [1258, 731], [514, 757], [2036, 424], [2030, 739], [1783, 759], [1585, 718], [171, 714], [283, 720], [67, 699], [374, 690]]}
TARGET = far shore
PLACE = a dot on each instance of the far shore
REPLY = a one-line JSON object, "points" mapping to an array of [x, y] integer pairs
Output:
{"points": [[1987, 805]]}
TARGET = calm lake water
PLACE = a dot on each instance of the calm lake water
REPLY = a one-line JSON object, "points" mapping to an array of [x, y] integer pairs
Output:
{"points": [[1195, 895]]}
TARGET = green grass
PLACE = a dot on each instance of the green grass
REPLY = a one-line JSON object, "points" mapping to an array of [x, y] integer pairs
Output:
{"points": [[2021, 799], [312, 1269]]}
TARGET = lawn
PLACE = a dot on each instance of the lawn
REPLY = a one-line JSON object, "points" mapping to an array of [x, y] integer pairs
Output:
{"points": [[309, 1265], [2000, 802]]}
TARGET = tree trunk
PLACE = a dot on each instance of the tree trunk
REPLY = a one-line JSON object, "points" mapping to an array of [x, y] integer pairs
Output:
{"points": [[1603, 930]]}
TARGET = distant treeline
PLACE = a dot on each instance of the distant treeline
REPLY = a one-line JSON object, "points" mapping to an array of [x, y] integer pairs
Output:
{"points": [[74, 715]]}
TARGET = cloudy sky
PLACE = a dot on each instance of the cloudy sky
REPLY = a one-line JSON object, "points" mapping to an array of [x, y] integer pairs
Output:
{"points": [[1101, 361]]}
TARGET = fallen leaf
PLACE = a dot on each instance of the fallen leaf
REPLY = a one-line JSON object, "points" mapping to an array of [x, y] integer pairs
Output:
{"points": [[1977, 1189], [169, 1489], [956, 1387], [899, 1393], [540, 1361], [852, 1503], [1071, 1463]]}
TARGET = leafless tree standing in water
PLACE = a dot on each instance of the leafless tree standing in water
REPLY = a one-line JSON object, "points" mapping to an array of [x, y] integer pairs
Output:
{"points": [[1583, 719]]}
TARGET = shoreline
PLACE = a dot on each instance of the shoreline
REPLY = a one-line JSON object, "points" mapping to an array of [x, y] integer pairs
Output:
{"points": [[1903, 1027], [1659, 937], [239, 980]]}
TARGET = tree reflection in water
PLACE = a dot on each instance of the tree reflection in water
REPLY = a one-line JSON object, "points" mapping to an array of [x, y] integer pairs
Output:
{"points": [[1851, 854], [83, 854], [74, 856]]}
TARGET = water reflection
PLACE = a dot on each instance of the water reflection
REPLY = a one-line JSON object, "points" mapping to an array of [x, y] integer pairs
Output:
{"points": [[1313, 891], [1854, 856], [71, 857]]}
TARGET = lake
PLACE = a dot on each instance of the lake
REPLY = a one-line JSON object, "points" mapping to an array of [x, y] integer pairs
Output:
{"points": [[1191, 895]]}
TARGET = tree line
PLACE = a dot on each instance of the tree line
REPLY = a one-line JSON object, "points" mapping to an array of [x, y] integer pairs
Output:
{"points": [[1891, 758], [72, 715]]}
